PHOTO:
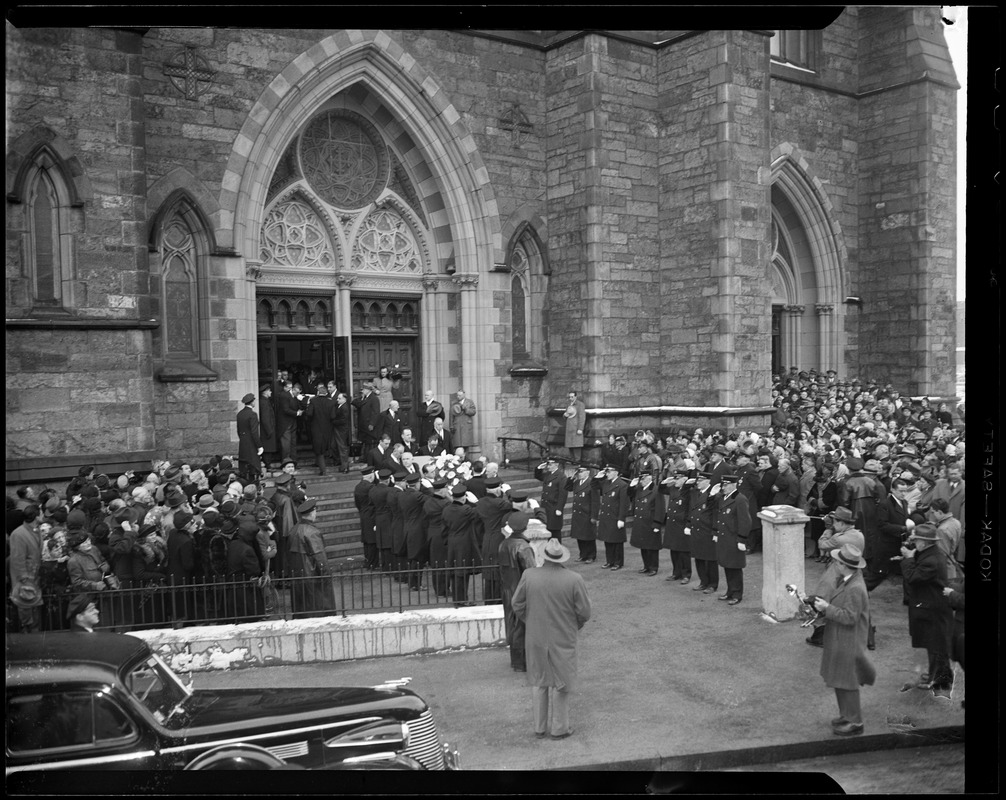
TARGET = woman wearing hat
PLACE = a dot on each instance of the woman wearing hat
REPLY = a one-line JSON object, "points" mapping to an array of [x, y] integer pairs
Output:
{"points": [[930, 618], [553, 603], [845, 666]]}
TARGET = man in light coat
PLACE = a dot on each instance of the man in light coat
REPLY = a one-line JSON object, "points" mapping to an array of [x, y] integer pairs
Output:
{"points": [[552, 601], [462, 427], [515, 556], [576, 418], [844, 663]]}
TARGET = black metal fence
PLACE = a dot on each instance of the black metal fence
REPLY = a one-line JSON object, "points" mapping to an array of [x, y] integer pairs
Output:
{"points": [[353, 590]]}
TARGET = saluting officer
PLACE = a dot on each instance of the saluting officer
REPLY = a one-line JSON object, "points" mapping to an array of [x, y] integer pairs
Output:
{"points": [[676, 494], [612, 510], [586, 492], [732, 524], [701, 510], [647, 520], [553, 496]]}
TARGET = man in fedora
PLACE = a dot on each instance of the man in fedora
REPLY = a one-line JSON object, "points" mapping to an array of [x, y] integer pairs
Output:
{"points": [[249, 440], [845, 667], [25, 564], [552, 601], [515, 557], [930, 617], [841, 531]]}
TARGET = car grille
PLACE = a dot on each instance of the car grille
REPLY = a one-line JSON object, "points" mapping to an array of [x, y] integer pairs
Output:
{"points": [[424, 742], [292, 750]]}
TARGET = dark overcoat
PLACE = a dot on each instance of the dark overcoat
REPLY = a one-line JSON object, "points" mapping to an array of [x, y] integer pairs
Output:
{"points": [[676, 504], [930, 617], [427, 413], [647, 516], [397, 521], [701, 513], [267, 424], [248, 439], [553, 499], [892, 517], [460, 524], [586, 502], [731, 524], [411, 503], [493, 512], [844, 663], [365, 507], [368, 413], [433, 510], [319, 413], [382, 514], [613, 507], [552, 601]]}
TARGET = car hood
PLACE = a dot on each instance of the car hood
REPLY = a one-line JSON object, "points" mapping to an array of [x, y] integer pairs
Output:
{"points": [[268, 708]]}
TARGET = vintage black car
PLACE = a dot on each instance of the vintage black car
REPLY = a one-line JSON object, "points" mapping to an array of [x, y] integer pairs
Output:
{"points": [[106, 701]]}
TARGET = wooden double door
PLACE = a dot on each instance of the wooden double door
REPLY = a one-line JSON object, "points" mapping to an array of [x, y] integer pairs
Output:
{"points": [[401, 355]]}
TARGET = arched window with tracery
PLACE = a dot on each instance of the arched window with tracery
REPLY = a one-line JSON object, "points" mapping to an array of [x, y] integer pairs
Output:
{"points": [[294, 235], [49, 251], [386, 243], [528, 293]]}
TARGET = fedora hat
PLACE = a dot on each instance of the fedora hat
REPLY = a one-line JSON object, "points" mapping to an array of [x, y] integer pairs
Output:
{"points": [[555, 552], [926, 531], [850, 555], [843, 514]]}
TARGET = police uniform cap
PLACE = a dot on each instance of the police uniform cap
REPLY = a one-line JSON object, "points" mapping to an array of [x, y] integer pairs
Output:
{"points": [[367, 471], [413, 477], [493, 483], [78, 605], [518, 497], [460, 490], [384, 474], [283, 479], [439, 483], [517, 521], [248, 399]]}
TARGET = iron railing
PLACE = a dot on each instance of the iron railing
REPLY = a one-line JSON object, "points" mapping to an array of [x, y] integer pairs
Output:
{"points": [[353, 590], [528, 443]]}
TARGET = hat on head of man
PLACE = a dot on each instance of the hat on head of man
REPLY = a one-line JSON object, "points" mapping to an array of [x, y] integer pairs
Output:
{"points": [[78, 605], [307, 507], [555, 552], [926, 531], [517, 521], [181, 519], [283, 479], [855, 464], [248, 399], [850, 555], [842, 514]]}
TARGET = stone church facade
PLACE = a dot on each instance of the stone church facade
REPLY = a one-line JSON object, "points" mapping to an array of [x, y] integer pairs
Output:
{"points": [[655, 219]]}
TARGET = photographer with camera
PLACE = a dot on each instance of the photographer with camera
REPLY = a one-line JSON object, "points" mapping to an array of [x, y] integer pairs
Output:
{"points": [[845, 604], [841, 531], [930, 617]]}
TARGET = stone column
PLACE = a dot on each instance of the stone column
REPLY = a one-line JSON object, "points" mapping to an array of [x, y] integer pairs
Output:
{"points": [[343, 308], [469, 323], [793, 334], [826, 336], [433, 339], [783, 559]]}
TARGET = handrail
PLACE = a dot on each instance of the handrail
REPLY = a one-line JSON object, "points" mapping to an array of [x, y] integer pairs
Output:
{"points": [[542, 449]]}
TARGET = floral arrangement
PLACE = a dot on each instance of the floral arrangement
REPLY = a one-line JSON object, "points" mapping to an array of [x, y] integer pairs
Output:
{"points": [[452, 468]]}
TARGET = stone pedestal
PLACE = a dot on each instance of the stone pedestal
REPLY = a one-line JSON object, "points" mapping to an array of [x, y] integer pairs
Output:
{"points": [[783, 559]]}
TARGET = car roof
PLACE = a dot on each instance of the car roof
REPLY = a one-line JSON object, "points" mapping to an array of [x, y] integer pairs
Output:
{"points": [[111, 650]]}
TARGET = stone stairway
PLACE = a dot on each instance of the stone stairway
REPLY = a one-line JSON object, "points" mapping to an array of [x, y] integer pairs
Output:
{"points": [[337, 515]]}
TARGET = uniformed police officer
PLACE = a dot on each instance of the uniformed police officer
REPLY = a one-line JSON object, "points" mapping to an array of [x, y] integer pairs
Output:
{"points": [[612, 510]]}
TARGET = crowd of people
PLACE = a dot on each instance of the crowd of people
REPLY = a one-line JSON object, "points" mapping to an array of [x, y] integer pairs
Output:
{"points": [[143, 548], [878, 475]]}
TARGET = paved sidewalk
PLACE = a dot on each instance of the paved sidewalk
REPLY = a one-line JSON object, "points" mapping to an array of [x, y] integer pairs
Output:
{"points": [[669, 679]]}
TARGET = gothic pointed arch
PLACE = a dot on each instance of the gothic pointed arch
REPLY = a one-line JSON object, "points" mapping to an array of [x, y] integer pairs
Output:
{"points": [[528, 265], [465, 217], [816, 258], [298, 231], [24, 151], [46, 195], [181, 183], [181, 243]]}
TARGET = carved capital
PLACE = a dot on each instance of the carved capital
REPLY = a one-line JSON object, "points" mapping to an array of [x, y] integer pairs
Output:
{"points": [[794, 309], [430, 283], [823, 309], [344, 281], [466, 281], [253, 271]]}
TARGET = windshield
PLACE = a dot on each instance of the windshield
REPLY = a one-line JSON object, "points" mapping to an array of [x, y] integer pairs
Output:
{"points": [[157, 688]]}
